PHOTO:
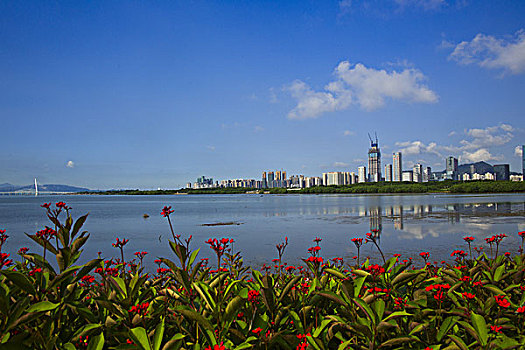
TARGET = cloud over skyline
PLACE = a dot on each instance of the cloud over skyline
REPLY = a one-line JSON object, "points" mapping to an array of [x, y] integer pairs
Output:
{"points": [[70, 164], [477, 145], [368, 88]]}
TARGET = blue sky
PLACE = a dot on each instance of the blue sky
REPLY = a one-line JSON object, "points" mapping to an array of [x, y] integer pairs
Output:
{"points": [[129, 94]]}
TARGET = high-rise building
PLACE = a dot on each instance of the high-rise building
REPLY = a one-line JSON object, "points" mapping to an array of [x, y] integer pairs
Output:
{"points": [[397, 170], [502, 172], [284, 175], [374, 161], [418, 172], [353, 178], [408, 176], [264, 183], [388, 172], [271, 179], [523, 160], [334, 178], [361, 173], [451, 168], [427, 174]]}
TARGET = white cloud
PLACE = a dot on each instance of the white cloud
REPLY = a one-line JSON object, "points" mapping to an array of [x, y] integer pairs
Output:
{"points": [[70, 164], [258, 128], [211, 148], [348, 133], [490, 136], [479, 155], [340, 165], [418, 147], [490, 52], [518, 151], [359, 85], [475, 147], [452, 133]]}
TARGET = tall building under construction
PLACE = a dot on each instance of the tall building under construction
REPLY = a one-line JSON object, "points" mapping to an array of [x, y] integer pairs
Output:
{"points": [[374, 161]]}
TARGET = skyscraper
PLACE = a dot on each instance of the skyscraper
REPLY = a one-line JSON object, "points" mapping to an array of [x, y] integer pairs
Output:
{"points": [[374, 161], [361, 173], [502, 172], [397, 171], [451, 168], [427, 174], [523, 160], [417, 171], [264, 183], [388, 172]]}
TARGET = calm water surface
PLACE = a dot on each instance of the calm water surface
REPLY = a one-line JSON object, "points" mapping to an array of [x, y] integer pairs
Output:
{"points": [[409, 223]]}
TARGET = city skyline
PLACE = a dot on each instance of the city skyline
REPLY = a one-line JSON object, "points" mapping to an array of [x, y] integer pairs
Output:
{"points": [[138, 95]]}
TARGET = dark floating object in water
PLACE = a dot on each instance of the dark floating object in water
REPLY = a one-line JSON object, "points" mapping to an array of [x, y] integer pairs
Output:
{"points": [[223, 223], [145, 216]]}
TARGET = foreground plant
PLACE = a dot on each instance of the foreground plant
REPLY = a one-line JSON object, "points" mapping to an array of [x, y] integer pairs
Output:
{"points": [[326, 304]]}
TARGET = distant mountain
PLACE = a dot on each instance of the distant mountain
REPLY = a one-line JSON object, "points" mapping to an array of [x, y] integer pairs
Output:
{"points": [[6, 187], [479, 167]]}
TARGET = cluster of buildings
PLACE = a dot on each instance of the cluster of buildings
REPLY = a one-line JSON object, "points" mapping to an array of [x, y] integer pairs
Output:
{"points": [[373, 173]]}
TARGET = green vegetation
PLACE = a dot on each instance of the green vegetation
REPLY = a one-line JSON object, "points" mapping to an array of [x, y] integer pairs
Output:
{"points": [[369, 187], [472, 303]]}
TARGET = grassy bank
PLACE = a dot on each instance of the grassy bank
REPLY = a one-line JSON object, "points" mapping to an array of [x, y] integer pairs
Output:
{"points": [[360, 188], [474, 302]]}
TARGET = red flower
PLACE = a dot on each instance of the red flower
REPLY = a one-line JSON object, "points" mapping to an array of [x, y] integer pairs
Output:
{"points": [[62, 205], [140, 309], [119, 243], [253, 296], [4, 261], [257, 330], [46, 205], [317, 240], [468, 239], [521, 310], [500, 299], [468, 295], [32, 272], [216, 347], [23, 250], [166, 211], [496, 329]]}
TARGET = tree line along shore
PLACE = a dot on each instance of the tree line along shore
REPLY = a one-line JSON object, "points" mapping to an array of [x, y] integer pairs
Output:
{"points": [[360, 188]]}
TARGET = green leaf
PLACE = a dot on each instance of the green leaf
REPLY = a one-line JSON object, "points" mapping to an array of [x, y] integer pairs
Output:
{"points": [[379, 308], [459, 342], [159, 333], [20, 280], [194, 316], [140, 338], [96, 343], [83, 330], [42, 306], [332, 296], [193, 256], [360, 273], [232, 307], [358, 284], [78, 224], [397, 314], [336, 273], [396, 341], [445, 327], [406, 277], [499, 272], [367, 310], [479, 324]]}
